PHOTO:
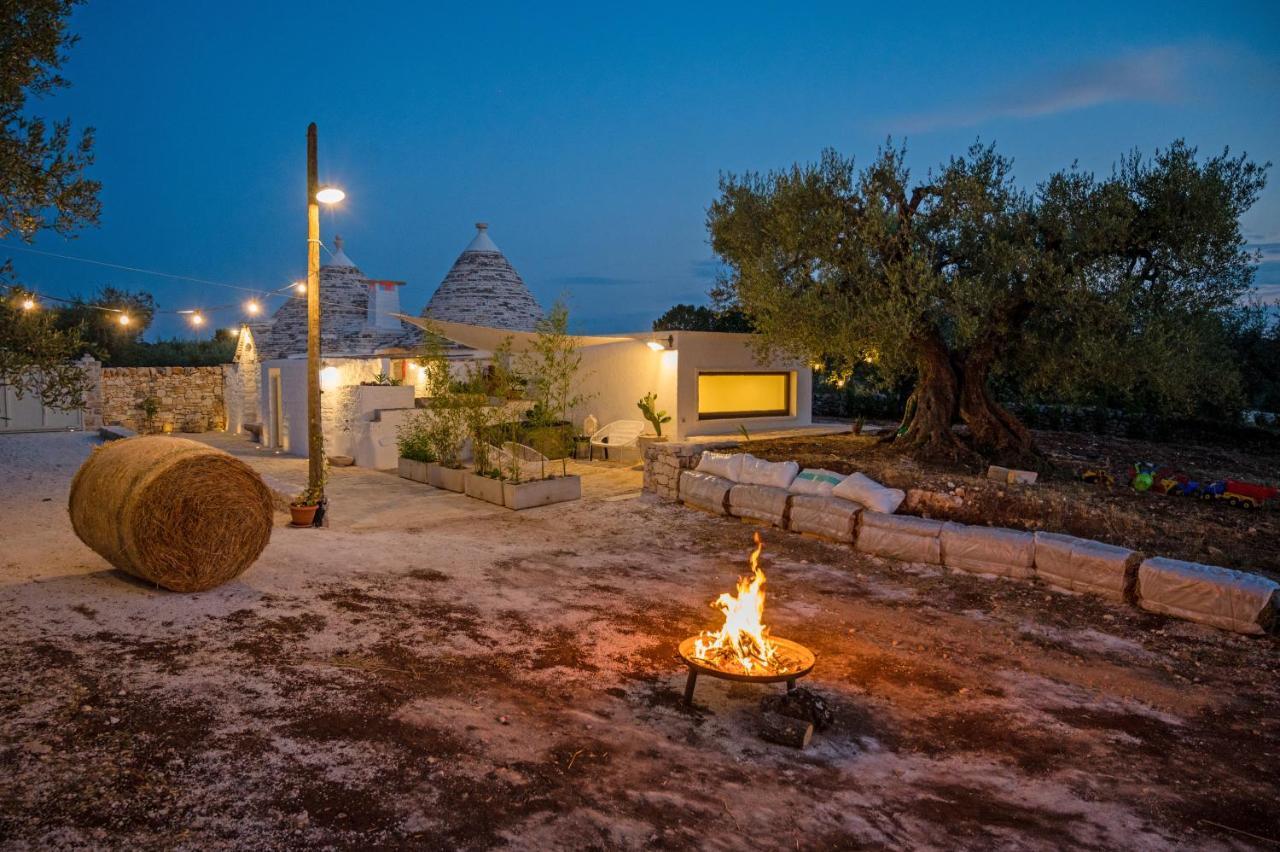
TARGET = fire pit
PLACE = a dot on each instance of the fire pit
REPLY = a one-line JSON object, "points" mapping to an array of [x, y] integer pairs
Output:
{"points": [[742, 650]]}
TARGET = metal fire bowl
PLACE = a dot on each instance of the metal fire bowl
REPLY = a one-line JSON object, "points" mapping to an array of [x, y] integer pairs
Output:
{"points": [[802, 656]]}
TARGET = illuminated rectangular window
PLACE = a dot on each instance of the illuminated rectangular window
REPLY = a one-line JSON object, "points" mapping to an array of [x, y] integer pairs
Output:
{"points": [[722, 395]]}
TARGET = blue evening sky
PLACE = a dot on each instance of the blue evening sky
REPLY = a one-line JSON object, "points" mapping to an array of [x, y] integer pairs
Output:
{"points": [[591, 137]]}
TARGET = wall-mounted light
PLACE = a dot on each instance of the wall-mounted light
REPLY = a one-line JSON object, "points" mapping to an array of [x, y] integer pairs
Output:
{"points": [[658, 344], [329, 378]]}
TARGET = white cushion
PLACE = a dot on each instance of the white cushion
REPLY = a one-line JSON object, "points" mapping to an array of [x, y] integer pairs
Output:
{"points": [[865, 490], [724, 465], [774, 474], [816, 481]]}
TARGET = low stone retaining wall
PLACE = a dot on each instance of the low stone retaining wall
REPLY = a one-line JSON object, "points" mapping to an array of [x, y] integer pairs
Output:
{"points": [[189, 399], [1232, 600]]}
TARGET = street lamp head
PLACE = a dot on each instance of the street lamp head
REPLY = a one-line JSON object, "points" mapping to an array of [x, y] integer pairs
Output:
{"points": [[330, 195]]}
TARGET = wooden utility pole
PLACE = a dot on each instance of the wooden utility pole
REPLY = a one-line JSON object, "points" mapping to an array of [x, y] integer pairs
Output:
{"points": [[315, 433]]}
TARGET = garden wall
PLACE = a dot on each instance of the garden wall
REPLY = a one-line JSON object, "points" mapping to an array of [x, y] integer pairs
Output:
{"points": [[189, 399]]}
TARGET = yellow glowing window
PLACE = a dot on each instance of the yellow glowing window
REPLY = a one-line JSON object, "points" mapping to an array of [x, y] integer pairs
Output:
{"points": [[743, 395]]}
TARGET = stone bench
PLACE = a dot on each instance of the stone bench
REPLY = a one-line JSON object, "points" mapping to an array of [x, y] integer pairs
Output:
{"points": [[1232, 600], [705, 491], [759, 503], [1083, 565], [988, 550], [827, 517], [903, 537]]}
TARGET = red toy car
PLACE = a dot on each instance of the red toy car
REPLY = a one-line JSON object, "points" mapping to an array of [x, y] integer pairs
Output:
{"points": [[1247, 494]]}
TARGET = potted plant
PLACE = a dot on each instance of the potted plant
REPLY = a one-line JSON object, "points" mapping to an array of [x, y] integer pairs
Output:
{"points": [[303, 507], [445, 420], [413, 442], [648, 408], [484, 480]]}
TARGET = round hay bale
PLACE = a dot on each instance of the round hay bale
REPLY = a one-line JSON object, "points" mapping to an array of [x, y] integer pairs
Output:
{"points": [[170, 510]]}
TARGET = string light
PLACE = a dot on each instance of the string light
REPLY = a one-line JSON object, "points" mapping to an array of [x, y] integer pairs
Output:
{"points": [[124, 319], [252, 307], [300, 286], [28, 304], [196, 319]]}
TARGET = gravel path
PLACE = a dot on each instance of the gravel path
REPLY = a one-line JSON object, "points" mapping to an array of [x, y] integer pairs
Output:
{"points": [[431, 672]]}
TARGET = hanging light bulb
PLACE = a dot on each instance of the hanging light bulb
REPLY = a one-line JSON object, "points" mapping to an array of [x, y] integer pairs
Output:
{"points": [[28, 304], [252, 307], [124, 319], [300, 286], [196, 319]]}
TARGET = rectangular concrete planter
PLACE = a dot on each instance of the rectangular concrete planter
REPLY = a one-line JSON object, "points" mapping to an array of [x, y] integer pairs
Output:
{"points": [[483, 488], [415, 470], [448, 478], [541, 492]]}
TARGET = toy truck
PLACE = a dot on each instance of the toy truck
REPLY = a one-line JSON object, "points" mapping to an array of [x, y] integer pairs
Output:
{"points": [[1247, 495]]}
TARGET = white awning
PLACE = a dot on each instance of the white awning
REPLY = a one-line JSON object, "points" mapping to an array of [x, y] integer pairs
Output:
{"points": [[488, 339]]}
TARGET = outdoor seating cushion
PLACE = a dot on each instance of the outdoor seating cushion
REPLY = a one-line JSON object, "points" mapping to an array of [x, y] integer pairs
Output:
{"points": [[705, 491], [761, 472], [724, 465], [1221, 597], [1084, 565], [760, 502], [902, 537], [865, 490], [816, 481], [829, 517], [988, 550]]}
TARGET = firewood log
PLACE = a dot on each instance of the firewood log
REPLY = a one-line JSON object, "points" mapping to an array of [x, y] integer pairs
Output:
{"points": [[783, 730]]}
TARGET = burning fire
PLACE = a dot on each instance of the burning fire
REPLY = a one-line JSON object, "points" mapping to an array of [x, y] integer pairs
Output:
{"points": [[742, 644]]}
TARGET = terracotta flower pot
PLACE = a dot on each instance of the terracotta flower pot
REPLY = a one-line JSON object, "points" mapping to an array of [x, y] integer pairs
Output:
{"points": [[303, 516]]}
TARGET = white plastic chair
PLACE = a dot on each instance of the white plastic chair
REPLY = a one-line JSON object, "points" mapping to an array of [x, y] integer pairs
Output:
{"points": [[615, 435]]}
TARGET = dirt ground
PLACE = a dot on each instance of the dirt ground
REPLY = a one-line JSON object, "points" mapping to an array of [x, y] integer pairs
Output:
{"points": [[1178, 527], [432, 672]]}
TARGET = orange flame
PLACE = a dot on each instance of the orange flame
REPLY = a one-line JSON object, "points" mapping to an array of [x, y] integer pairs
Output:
{"points": [[743, 642]]}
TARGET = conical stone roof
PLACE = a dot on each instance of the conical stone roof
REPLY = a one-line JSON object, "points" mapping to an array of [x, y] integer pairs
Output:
{"points": [[483, 288], [344, 318]]}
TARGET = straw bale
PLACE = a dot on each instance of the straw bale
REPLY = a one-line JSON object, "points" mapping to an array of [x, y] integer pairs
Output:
{"points": [[172, 511]]}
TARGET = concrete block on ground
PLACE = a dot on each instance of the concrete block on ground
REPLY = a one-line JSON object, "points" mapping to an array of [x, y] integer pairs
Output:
{"points": [[1084, 565], [998, 473], [903, 537], [988, 550], [115, 433], [705, 491], [829, 517], [1232, 600], [760, 502]]}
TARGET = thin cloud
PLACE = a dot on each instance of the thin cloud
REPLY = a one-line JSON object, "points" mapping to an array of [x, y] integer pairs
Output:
{"points": [[1156, 75]]}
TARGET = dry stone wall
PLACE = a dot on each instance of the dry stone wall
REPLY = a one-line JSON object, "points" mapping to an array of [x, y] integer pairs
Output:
{"points": [[664, 461], [188, 399]]}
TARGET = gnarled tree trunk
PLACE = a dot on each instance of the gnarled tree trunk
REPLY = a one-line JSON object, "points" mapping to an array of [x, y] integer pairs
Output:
{"points": [[932, 406], [996, 433]]}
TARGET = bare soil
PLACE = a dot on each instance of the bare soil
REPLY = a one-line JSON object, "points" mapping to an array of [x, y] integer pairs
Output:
{"points": [[1177, 527], [434, 673]]}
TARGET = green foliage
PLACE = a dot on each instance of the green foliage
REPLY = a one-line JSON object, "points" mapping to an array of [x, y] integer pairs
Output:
{"points": [[113, 344], [444, 421], [1120, 287], [42, 188], [701, 318], [178, 353], [383, 380], [656, 418], [552, 368], [413, 438]]}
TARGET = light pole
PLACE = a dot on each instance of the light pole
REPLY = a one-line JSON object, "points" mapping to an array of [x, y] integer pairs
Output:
{"points": [[315, 434]]}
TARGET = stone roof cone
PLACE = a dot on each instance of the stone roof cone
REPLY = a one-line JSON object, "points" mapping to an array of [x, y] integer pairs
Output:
{"points": [[483, 288], [345, 327]]}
